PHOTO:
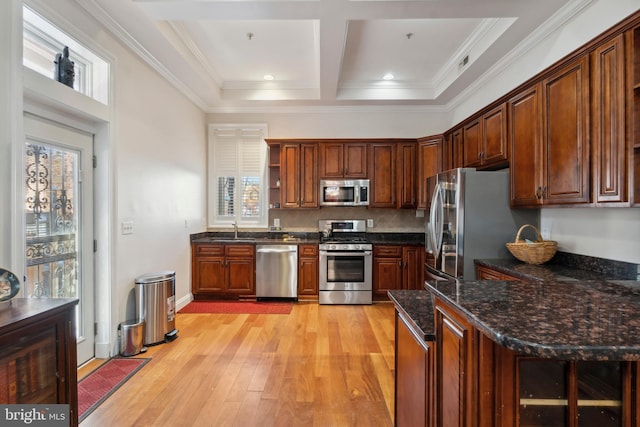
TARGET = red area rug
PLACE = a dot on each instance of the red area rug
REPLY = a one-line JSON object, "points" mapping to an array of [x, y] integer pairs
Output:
{"points": [[96, 387], [237, 307]]}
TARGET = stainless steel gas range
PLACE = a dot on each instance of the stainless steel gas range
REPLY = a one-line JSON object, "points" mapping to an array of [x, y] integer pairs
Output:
{"points": [[345, 262]]}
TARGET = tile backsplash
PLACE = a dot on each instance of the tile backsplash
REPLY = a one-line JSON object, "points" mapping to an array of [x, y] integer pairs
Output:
{"points": [[384, 220]]}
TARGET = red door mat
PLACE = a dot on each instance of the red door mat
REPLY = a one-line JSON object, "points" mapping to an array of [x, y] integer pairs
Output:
{"points": [[237, 307], [96, 387]]}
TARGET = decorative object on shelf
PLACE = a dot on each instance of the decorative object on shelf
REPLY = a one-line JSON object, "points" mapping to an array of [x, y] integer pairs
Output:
{"points": [[532, 252], [64, 72], [9, 285], [278, 182]]}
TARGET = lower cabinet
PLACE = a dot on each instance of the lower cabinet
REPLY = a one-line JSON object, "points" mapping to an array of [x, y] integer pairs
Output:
{"points": [[222, 270], [308, 272], [484, 273], [397, 267], [38, 359], [414, 373], [477, 382]]}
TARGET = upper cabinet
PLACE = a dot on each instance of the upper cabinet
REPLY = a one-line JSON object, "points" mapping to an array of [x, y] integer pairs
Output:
{"points": [[407, 190], [343, 160], [382, 161], [299, 175], [429, 163], [548, 133], [608, 123], [484, 140]]}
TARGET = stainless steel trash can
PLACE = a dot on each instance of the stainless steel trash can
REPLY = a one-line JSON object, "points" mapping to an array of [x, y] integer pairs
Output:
{"points": [[131, 333], [155, 306]]}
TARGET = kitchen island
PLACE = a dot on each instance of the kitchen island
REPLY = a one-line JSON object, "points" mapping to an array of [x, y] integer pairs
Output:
{"points": [[529, 353]]}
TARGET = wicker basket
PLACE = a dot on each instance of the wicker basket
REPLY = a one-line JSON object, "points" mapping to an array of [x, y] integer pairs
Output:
{"points": [[537, 252]]}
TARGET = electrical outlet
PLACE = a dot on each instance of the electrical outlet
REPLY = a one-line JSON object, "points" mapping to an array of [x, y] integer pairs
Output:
{"points": [[546, 234], [276, 222], [370, 222]]}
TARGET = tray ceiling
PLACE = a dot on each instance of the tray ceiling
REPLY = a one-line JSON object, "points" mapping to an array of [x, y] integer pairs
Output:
{"points": [[324, 52]]}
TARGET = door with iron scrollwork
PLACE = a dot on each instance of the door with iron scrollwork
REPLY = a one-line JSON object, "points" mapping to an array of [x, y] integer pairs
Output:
{"points": [[58, 220]]}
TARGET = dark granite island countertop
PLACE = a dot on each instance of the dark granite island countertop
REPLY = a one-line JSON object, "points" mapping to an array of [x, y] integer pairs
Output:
{"points": [[570, 320], [417, 308]]}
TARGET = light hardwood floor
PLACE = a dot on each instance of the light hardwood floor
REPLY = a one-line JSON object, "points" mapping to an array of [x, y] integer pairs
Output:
{"points": [[322, 365]]}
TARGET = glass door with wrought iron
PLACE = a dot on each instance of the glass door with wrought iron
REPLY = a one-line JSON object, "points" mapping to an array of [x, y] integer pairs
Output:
{"points": [[57, 220]]}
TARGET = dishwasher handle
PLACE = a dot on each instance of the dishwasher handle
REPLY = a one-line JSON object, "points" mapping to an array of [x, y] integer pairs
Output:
{"points": [[275, 251]]}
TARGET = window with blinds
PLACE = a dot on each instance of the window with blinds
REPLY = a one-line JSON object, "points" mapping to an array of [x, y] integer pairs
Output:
{"points": [[237, 172]]}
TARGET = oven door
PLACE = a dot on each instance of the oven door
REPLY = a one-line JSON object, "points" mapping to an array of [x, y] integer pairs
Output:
{"points": [[345, 270]]}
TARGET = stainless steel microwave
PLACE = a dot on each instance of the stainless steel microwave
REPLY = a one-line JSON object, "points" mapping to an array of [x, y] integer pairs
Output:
{"points": [[344, 192]]}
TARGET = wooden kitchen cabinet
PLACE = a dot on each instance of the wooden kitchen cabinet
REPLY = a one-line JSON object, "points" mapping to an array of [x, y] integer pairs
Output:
{"points": [[548, 134], [38, 355], [396, 267], [455, 390], [612, 165], [429, 164], [387, 270], [414, 377], [382, 174], [485, 143], [343, 160], [299, 181], [407, 169], [484, 273], [308, 272], [222, 270]]}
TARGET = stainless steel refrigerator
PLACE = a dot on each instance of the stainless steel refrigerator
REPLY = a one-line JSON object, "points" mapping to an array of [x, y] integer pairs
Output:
{"points": [[470, 218]]}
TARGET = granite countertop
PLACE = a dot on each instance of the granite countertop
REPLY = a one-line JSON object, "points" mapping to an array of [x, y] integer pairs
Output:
{"points": [[571, 320], [300, 238], [417, 307]]}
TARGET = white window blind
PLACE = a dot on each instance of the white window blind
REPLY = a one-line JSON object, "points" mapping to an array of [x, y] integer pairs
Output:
{"points": [[237, 171]]}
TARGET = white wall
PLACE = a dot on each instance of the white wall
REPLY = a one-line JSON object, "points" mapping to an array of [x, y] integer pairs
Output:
{"points": [[155, 152], [378, 122]]}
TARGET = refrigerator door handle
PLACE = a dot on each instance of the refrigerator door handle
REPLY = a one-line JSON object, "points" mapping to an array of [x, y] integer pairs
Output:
{"points": [[437, 220]]}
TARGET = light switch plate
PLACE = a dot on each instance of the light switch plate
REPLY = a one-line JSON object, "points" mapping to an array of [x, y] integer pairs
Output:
{"points": [[276, 222], [126, 227], [370, 222]]}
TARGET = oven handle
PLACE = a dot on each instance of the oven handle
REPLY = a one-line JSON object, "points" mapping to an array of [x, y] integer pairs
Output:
{"points": [[350, 253]]}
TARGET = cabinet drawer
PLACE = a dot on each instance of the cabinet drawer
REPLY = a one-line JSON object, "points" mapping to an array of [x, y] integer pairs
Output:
{"points": [[209, 250], [307, 250], [240, 250], [387, 251]]}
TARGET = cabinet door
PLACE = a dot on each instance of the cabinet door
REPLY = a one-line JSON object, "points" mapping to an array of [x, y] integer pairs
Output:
{"points": [[382, 162], [308, 272], [331, 160], [472, 140], [457, 139], [290, 181], [411, 267], [355, 160], [447, 152], [413, 378], [565, 101], [210, 275], [454, 358], [309, 184], [494, 137], [525, 139], [611, 169], [387, 275], [241, 276], [429, 164], [406, 172]]}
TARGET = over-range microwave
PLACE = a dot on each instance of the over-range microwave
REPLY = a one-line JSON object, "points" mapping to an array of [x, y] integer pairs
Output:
{"points": [[344, 192]]}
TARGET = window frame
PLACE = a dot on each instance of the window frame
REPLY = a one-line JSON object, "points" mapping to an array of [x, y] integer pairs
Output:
{"points": [[215, 220]]}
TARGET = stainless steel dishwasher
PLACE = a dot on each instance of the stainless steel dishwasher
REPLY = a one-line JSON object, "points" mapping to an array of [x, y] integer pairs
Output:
{"points": [[276, 272]]}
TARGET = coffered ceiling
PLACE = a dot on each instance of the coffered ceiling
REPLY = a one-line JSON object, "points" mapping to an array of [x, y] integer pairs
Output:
{"points": [[324, 53]]}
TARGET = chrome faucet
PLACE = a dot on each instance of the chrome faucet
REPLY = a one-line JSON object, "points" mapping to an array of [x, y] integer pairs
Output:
{"points": [[235, 230]]}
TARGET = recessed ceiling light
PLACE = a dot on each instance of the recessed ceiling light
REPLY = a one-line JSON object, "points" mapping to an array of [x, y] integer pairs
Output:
{"points": [[267, 77], [388, 76]]}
